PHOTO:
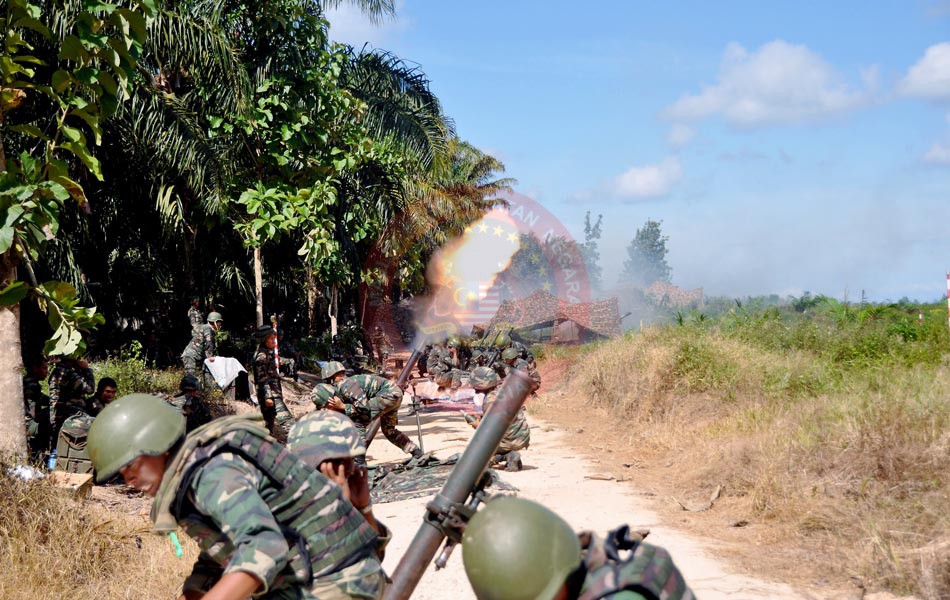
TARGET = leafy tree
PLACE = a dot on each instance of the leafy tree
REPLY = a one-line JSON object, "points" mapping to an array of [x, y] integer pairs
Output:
{"points": [[646, 256], [590, 251], [64, 67]]}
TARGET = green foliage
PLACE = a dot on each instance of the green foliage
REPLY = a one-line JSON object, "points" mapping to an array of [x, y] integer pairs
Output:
{"points": [[61, 73], [646, 256], [132, 374]]}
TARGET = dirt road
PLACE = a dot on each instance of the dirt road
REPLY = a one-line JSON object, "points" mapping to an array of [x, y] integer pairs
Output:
{"points": [[558, 479]]}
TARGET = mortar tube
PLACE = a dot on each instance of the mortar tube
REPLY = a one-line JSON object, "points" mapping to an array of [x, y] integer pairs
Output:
{"points": [[462, 480]]}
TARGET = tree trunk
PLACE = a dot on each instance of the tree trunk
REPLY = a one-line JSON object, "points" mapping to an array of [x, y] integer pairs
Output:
{"points": [[259, 286], [312, 295], [12, 435]]}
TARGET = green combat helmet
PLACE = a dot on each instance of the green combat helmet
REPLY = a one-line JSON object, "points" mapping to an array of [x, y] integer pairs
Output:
{"points": [[324, 435], [214, 317], [510, 354], [502, 340], [132, 426], [539, 551], [332, 368], [322, 394], [483, 378]]}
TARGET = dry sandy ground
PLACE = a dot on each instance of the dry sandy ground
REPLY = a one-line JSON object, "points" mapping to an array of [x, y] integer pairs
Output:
{"points": [[558, 479]]}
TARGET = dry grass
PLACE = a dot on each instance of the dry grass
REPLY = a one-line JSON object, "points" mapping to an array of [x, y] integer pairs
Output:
{"points": [[53, 547], [853, 463]]}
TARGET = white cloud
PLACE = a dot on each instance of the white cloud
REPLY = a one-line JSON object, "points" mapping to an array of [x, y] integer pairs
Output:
{"points": [[649, 181], [349, 25], [939, 154], [679, 136], [930, 76], [776, 84]]}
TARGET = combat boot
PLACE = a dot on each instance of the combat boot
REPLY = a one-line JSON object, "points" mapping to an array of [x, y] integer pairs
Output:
{"points": [[513, 461]]}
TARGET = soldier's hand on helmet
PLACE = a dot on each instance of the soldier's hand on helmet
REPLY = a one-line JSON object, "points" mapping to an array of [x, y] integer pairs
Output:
{"points": [[336, 404], [335, 471]]}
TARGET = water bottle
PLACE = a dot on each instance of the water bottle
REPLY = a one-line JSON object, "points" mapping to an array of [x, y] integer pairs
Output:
{"points": [[51, 462]]}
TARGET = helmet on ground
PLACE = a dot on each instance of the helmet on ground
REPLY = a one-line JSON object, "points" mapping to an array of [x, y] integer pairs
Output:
{"points": [[510, 354], [515, 549], [132, 426], [188, 383], [324, 435], [502, 340], [321, 394], [214, 317], [332, 368], [483, 378]]}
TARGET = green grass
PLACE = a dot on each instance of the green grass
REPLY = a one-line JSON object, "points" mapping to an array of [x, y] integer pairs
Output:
{"points": [[832, 423]]}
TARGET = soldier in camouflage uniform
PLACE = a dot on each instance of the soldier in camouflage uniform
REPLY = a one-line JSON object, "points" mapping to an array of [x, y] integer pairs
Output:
{"points": [[69, 384], [267, 524], [573, 567], [321, 394], [382, 345], [195, 317], [189, 402], [270, 394], [513, 360], [444, 365], [105, 393], [368, 397], [202, 345], [36, 406], [330, 443], [518, 435]]}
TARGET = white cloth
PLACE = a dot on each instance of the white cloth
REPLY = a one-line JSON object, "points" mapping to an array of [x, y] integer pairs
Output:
{"points": [[224, 370]]}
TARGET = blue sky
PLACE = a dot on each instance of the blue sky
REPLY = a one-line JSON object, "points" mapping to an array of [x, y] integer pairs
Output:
{"points": [[785, 146]]}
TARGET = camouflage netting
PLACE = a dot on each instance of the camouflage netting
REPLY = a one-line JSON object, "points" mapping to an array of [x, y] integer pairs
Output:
{"points": [[419, 478]]}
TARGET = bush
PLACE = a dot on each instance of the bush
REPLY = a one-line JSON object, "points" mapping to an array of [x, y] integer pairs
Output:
{"points": [[132, 375]]}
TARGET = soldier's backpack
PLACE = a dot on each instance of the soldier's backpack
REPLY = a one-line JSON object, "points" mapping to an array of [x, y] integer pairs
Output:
{"points": [[71, 453]]}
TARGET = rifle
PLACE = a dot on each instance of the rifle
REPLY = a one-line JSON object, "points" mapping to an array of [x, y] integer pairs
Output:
{"points": [[449, 511], [401, 384]]}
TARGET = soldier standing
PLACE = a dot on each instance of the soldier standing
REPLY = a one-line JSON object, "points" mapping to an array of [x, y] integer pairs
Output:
{"points": [[202, 345], [69, 384], [382, 345], [573, 567], [367, 397], [270, 394], [36, 405], [518, 435], [194, 316], [268, 525]]}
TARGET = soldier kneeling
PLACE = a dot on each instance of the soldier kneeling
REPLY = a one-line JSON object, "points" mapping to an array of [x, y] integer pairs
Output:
{"points": [[542, 558], [268, 524], [518, 435]]}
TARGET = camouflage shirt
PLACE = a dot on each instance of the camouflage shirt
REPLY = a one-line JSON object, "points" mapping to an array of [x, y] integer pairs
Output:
{"points": [[195, 318], [254, 507], [266, 377], [518, 435], [368, 396], [68, 387], [203, 343]]}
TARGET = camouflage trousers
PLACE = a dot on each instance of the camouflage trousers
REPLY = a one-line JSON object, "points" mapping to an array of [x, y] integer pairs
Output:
{"points": [[195, 366], [387, 423], [277, 416], [354, 584], [451, 379]]}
